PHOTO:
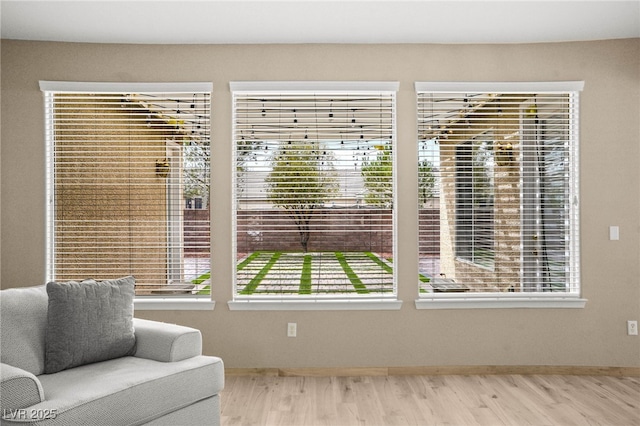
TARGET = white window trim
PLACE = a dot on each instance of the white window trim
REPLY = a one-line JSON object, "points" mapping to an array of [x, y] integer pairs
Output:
{"points": [[153, 303], [116, 87], [141, 303], [502, 87], [315, 305], [500, 301], [503, 300], [330, 304], [313, 86]]}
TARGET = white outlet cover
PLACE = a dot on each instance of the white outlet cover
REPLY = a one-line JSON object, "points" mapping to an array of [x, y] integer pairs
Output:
{"points": [[292, 329], [614, 233]]}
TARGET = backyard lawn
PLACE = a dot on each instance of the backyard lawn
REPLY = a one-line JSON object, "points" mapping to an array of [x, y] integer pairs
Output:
{"points": [[317, 273], [265, 272]]}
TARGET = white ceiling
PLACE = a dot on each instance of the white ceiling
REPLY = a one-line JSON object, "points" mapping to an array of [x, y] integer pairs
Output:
{"points": [[313, 21]]}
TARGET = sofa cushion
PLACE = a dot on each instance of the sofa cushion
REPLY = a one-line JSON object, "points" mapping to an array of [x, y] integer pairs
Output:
{"points": [[23, 320], [128, 390], [88, 322]]}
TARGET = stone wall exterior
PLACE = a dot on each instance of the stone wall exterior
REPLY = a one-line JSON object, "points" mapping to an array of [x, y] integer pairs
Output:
{"points": [[109, 230], [429, 231], [505, 274]]}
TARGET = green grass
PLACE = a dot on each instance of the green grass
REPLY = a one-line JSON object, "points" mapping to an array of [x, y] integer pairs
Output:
{"points": [[201, 278], [248, 260], [379, 262], [305, 277], [255, 282], [353, 277], [306, 274], [205, 291]]}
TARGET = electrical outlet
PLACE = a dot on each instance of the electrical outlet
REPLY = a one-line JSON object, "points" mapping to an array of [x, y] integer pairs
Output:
{"points": [[292, 329], [614, 233], [632, 328]]}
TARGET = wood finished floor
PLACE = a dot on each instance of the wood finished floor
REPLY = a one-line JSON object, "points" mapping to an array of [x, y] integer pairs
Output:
{"points": [[431, 400]]}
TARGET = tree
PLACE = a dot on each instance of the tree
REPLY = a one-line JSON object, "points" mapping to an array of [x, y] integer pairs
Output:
{"points": [[301, 179], [246, 151], [426, 181], [378, 178], [196, 171]]}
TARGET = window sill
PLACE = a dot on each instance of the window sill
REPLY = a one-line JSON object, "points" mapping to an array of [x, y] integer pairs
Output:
{"points": [[315, 305], [500, 301], [173, 304]]}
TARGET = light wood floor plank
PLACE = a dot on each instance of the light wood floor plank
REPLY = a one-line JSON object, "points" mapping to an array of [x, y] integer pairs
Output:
{"points": [[431, 400]]}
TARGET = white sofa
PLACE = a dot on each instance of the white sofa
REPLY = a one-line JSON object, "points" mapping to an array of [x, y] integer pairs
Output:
{"points": [[167, 381]]}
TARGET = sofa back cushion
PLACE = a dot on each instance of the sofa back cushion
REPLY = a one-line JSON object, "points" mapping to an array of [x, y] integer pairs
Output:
{"points": [[23, 321]]}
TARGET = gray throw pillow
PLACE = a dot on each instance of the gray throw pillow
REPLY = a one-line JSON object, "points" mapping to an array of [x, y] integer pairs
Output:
{"points": [[89, 322]]}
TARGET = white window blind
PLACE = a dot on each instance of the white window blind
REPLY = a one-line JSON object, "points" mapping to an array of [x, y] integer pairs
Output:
{"points": [[128, 184], [474, 200], [498, 181], [314, 189]]}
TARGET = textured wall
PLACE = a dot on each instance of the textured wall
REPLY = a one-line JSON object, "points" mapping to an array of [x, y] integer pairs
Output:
{"points": [[610, 195]]}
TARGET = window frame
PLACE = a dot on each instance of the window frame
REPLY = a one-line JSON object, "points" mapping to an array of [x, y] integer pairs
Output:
{"points": [[465, 192], [498, 300], [297, 302], [160, 302]]}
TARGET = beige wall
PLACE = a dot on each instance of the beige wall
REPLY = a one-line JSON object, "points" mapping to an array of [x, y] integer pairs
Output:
{"points": [[610, 160]]}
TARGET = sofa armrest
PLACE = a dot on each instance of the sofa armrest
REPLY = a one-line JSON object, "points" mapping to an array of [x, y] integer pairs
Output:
{"points": [[19, 388], [164, 342]]}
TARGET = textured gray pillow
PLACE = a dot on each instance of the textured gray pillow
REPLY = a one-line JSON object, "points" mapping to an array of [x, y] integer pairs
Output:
{"points": [[88, 322]]}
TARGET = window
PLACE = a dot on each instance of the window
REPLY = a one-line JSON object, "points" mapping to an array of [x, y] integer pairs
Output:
{"points": [[498, 191], [123, 162], [314, 191], [474, 176]]}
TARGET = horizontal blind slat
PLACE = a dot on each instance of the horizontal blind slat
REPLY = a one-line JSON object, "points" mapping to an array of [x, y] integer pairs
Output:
{"points": [[301, 172], [120, 164], [496, 188]]}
